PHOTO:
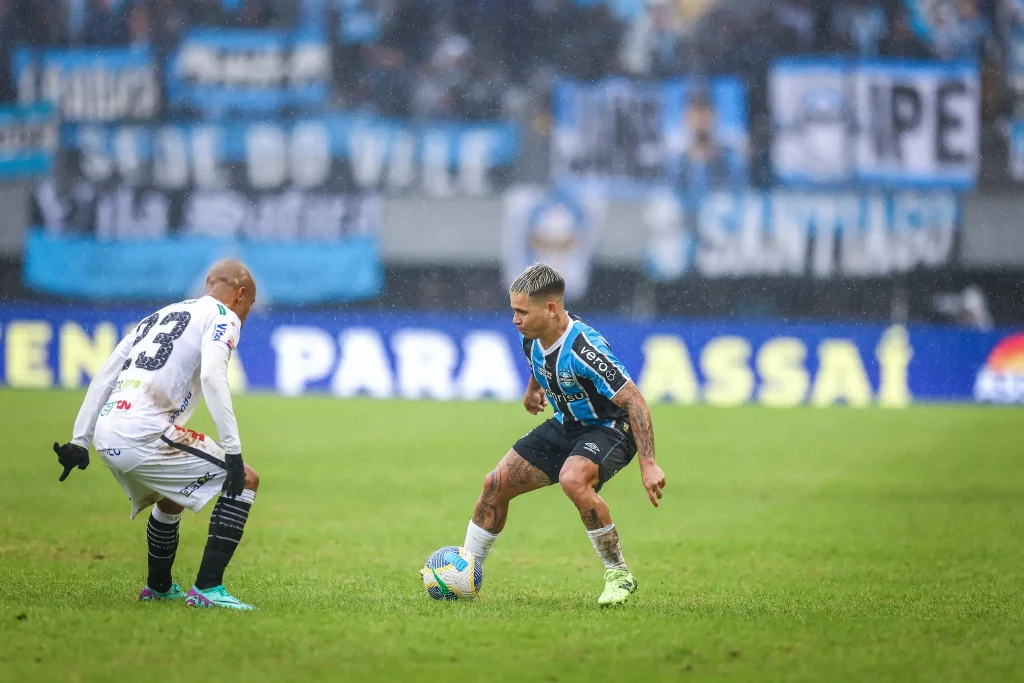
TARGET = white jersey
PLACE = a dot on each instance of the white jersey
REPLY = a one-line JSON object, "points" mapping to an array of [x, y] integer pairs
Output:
{"points": [[158, 385]]}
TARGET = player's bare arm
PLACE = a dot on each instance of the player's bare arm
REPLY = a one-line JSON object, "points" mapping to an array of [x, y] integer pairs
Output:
{"points": [[535, 401], [632, 401]]}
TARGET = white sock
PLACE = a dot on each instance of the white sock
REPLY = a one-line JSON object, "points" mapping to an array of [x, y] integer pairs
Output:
{"points": [[161, 516], [246, 496], [478, 541], [606, 543]]}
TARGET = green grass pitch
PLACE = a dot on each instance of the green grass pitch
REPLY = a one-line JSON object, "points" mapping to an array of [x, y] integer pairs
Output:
{"points": [[831, 545]]}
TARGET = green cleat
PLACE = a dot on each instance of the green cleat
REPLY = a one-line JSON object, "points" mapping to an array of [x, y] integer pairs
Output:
{"points": [[215, 597], [619, 584], [175, 593]]}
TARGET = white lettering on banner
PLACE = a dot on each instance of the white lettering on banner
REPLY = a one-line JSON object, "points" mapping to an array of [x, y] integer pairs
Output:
{"points": [[792, 234], [90, 91], [778, 372], [286, 216], [310, 155], [488, 368], [363, 367], [265, 153], [206, 140], [383, 157], [424, 362], [120, 216], [278, 155], [435, 165], [271, 67], [170, 159], [885, 122], [304, 355]]}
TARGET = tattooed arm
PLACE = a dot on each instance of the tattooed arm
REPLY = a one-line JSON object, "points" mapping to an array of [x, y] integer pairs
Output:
{"points": [[632, 401]]}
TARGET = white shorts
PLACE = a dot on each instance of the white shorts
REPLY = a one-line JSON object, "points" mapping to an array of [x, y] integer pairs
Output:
{"points": [[182, 465]]}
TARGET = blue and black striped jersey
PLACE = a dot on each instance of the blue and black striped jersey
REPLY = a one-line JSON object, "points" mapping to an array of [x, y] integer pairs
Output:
{"points": [[580, 376]]}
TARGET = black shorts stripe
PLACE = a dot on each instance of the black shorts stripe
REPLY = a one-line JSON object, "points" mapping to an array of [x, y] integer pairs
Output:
{"points": [[194, 451]]}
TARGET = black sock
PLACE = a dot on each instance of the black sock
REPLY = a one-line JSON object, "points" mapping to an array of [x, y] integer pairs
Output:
{"points": [[226, 526], [162, 538]]}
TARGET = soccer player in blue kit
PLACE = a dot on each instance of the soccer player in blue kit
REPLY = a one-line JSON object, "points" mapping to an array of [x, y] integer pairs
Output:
{"points": [[601, 421]]}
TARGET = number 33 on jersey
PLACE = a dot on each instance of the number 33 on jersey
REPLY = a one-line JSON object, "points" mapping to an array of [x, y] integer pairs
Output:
{"points": [[159, 382]]}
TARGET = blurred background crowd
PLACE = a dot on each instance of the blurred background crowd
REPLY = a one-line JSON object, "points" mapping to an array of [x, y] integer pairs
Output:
{"points": [[527, 65], [467, 58]]}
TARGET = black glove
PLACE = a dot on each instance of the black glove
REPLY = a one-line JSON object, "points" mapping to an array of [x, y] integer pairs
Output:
{"points": [[234, 482], [71, 456]]}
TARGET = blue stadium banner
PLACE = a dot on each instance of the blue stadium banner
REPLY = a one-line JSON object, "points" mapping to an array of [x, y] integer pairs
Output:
{"points": [[288, 272], [358, 153], [627, 138], [787, 233], [28, 141], [875, 123], [218, 72], [474, 357], [90, 85]]}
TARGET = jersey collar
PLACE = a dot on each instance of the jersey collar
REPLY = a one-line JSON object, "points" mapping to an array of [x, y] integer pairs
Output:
{"points": [[561, 340]]}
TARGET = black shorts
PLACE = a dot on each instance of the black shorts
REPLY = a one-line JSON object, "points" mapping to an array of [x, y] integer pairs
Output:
{"points": [[550, 444]]}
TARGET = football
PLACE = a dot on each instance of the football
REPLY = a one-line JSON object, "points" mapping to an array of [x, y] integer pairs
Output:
{"points": [[452, 573]]}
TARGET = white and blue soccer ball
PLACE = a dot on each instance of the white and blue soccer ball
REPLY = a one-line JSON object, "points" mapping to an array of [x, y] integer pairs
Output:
{"points": [[452, 573]]}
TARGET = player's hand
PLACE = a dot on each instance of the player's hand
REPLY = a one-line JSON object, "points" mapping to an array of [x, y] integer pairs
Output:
{"points": [[654, 481], [71, 456], [234, 482], [535, 401]]}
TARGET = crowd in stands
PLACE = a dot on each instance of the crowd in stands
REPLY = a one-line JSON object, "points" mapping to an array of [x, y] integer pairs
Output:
{"points": [[459, 58]]}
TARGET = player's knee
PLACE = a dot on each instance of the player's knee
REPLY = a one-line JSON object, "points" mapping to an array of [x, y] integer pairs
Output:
{"points": [[252, 480], [576, 482]]}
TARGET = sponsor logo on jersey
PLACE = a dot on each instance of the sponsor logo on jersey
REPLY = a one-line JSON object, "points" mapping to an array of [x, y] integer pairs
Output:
{"points": [[596, 361], [197, 484], [123, 406], [181, 409], [592, 447], [112, 452], [194, 434], [126, 384], [582, 395], [219, 330], [1001, 378], [599, 362], [544, 372]]}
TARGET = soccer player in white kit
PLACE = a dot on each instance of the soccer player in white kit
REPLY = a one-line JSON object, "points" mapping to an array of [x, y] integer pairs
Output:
{"points": [[134, 414]]}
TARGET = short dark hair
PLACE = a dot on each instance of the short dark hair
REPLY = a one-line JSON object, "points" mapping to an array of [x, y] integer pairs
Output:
{"points": [[539, 280]]}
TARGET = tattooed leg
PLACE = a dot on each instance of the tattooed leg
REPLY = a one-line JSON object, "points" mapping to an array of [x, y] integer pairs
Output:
{"points": [[579, 478], [512, 477]]}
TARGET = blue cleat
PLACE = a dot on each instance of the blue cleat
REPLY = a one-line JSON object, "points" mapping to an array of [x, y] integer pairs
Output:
{"points": [[215, 597]]}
